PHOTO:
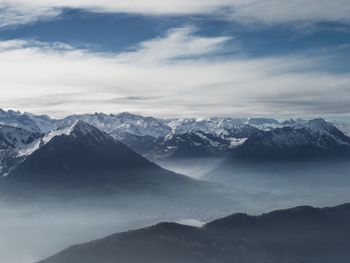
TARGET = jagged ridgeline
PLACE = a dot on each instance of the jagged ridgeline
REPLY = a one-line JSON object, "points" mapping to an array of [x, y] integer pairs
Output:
{"points": [[158, 139], [81, 161]]}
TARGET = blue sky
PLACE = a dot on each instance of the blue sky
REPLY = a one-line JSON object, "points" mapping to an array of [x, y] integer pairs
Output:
{"points": [[232, 58]]}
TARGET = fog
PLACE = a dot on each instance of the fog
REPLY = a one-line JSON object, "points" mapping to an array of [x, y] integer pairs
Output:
{"points": [[261, 187], [30, 233], [27, 236], [193, 167], [32, 230]]}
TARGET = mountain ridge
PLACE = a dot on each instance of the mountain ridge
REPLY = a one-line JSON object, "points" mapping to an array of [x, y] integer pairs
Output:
{"points": [[155, 137], [289, 235], [314, 138], [84, 162]]}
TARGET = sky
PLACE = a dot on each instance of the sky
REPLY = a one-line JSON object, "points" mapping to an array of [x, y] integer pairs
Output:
{"points": [[176, 58]]}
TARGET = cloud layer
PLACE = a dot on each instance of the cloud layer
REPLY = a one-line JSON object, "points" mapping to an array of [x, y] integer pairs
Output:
{"points": [[166, 77], [255, 12]]}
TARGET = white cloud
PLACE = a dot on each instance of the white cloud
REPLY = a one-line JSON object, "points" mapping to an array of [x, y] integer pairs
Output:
{"points": [[178, 43], [21, 12], [58, 79], [292, 11], [246, 11]]}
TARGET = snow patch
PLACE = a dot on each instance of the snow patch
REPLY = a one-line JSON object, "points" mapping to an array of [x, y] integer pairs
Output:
{"points": [[47, 138]]}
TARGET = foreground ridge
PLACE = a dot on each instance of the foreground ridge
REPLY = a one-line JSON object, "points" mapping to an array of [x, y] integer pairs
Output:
{"points": [[293, 235]]}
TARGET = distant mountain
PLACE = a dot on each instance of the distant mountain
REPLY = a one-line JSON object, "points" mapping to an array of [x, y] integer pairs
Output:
{"points": [[143, 145], [120, 124], [302, 139], [343, 126], [28, 121], [234, 127], [80, 151], [15, 138], [190, 137], [191, 144], [81, 157], [263, 121], [12, 141], [159, 139], [301, 234]]}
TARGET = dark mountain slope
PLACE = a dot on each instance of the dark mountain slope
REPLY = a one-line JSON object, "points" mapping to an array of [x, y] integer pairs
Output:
{"points": [[83, 157], [189, 145], [315, 138], [12, 141], [302, 234], [84, 152]]}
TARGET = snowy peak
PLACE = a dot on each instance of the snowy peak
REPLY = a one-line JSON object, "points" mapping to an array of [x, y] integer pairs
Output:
{"points": [[315, 125], [79, 153], [78, 128], [27, 121], [300, 140], [191, 144], [15, 138], [82, 128], [323, 133], [124, 123], [147, 134]]}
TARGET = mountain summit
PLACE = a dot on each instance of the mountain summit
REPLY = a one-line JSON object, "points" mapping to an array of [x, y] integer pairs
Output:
{"points": [[314, 138], [79, 152], [85, 161]]}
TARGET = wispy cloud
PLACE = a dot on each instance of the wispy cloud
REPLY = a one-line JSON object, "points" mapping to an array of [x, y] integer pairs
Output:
{"points": [[179, 43], [257, 12], [166, 77], [17, 13]]}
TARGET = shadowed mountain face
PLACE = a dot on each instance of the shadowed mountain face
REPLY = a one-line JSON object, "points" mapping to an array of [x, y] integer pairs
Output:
{"points": [[85, 152], [161, 139], [83, 157], [302, 234], [315, 138], [12, 140], [189, 145]]}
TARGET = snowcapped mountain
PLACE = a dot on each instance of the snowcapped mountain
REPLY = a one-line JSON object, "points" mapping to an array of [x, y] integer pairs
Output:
{"points": [[79, 148], [83, 155], [39, 142], [157, 138], [343, 126], [301, 139], [13, 140], [122, 123], [166, 138], [82, 161], [218, 126], [27, 121], [190, 144]]}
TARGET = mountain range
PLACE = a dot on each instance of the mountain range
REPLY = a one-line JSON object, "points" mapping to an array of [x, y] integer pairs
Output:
{"points": [[301, 234], [155, 138], [310, 139], [80, 160], [110, 160]]}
